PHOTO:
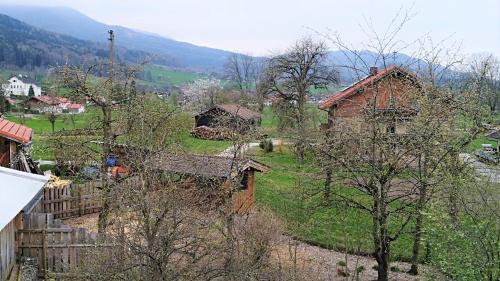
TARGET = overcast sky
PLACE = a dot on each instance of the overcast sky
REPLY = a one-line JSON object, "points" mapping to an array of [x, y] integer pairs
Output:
{"points": [[259, 27]]}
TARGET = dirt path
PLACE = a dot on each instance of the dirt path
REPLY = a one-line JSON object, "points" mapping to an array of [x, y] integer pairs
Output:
{"points": [[324, 264], [229, 152]]}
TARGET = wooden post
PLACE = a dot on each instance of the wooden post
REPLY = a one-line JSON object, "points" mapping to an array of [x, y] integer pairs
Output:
{"points": [[80, 211], [44, 251]]}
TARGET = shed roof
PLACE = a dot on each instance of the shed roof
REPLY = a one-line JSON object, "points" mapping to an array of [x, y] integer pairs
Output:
{"points": [[208, 166], [17, 191], [14, 131], [354, 88], [236, 110]]}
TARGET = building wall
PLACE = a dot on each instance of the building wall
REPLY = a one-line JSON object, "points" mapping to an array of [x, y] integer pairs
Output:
{"points": [[7, 249], [402, 90], [243, 201], [19, 88]]}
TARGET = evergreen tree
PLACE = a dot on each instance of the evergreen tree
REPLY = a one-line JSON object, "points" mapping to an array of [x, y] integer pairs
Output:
{"points": [[31, 92]]}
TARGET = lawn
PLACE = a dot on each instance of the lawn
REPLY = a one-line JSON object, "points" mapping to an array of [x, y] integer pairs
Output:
{"points": [[199, 146], [159, 77], [42, 130], [478, 142], [288, 191]]}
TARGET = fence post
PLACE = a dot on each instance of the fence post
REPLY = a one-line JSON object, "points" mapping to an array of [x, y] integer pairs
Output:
{"points": [[44, 252], [80, 203]]}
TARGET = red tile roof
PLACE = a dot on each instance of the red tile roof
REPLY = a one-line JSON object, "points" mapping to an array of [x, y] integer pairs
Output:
{"points": [[51, 100], [353, 89], [73, 105], [15, 132]]}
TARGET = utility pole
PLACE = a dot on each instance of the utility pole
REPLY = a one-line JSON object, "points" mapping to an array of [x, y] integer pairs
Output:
{"points": [[111, 39]]}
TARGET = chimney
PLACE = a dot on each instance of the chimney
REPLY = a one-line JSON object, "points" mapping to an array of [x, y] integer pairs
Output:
{"points": [[373, 70]]}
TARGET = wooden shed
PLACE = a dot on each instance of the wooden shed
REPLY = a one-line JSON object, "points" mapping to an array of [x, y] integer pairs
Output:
{"points": [[15, 140], [224, 169], [20, 193], [225, 115]]}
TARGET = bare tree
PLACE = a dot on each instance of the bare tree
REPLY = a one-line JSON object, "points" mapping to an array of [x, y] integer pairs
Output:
{"points": [[108, 95], [293, 74], [485, 74]]}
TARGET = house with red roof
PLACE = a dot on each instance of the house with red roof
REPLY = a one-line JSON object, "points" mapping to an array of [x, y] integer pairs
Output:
{"points": [[15, 140], [47, 104], [390, 91]]}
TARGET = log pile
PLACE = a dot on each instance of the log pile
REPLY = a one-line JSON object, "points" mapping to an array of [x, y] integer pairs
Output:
{"points": [[208, 133], [55, 182]]}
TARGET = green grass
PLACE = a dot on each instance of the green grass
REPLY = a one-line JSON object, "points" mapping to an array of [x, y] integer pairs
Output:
{"points": [[199, 146], [287, 190], [162, 77], [478, 142]]}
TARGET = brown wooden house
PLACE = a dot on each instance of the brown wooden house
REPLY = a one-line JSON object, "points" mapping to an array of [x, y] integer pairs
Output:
{"points": [[218, 169], [390, 91], [15, 141]]}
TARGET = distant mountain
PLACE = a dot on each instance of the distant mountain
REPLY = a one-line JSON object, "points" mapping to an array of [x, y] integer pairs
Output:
{"points": [[25, 46], [73, 23]]}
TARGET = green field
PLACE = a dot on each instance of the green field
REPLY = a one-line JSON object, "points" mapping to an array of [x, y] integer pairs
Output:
{"points": [[42, 129], [288, 191], [159, 77]]}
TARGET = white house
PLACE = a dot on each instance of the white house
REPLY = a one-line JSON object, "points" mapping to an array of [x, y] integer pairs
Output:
{"points": [[20, 86], [19, 193]]}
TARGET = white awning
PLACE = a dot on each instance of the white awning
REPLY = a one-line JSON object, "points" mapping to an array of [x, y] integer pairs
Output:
{"points": [[17, 189]]}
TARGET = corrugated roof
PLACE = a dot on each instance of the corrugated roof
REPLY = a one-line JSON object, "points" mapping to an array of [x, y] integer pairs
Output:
{"points": [[14, 131], [17, 190], [354, 88]]}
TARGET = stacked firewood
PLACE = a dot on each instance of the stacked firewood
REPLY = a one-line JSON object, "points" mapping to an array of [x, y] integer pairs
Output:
{"points": [[55, 182], [208, 133]]}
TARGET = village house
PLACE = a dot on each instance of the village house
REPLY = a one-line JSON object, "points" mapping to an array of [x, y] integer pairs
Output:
{"points": [[20, 86], [195, 168], [221, 121], [47, 104], [21, 194], [387, 92]]}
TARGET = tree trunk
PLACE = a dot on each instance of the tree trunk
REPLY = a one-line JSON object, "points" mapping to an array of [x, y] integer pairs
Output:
{"points": [[418, 229], [327, 192], [106, 151], [380, 236]]}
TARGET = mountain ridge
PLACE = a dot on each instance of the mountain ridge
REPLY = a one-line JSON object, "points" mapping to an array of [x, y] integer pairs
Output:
{"points": [[71, 22]]}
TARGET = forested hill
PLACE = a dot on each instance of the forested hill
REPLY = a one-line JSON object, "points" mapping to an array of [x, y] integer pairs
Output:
{"points": [[25, 46], [73, 23]]}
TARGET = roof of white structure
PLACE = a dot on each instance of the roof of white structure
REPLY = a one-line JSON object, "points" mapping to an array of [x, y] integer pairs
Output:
{"points": [[17, 189]]}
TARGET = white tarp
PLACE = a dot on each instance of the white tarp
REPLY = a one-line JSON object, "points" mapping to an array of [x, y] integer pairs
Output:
{"points": [[17, 189]]}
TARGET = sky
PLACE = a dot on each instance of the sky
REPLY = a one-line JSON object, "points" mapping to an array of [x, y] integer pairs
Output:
{"points": [[261, 27]]}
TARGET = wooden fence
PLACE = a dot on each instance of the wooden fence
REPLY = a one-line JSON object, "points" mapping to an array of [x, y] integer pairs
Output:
{"points": [[72, 200], [57, 247]]}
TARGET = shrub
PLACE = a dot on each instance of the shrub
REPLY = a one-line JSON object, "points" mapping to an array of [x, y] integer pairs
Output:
{"points": [[266, 145], [360, 269], [341, 263]]}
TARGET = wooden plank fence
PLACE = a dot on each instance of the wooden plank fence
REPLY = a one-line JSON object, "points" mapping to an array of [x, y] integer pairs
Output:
{"points": [[72, 200], [57, 247]]}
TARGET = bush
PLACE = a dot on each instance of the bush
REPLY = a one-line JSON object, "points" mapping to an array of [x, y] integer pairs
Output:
{"points": [[341, 263], [360, 269], [266, 145]]}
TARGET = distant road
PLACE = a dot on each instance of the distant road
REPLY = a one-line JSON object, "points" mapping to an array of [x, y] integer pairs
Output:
{"points": [[489, 172]]}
